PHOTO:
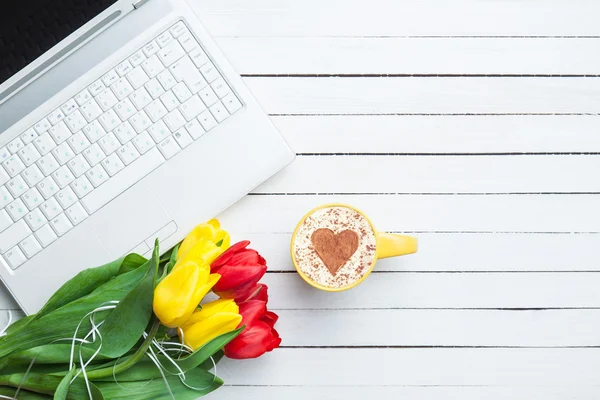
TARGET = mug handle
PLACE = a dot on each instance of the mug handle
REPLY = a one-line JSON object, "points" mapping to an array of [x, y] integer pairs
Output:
{"points": [[391, 245]]}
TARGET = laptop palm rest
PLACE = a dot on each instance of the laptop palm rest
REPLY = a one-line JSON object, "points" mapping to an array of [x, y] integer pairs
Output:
{"points": [[137, 220]]}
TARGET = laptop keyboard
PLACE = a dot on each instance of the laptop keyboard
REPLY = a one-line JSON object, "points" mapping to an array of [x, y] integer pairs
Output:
{"points": [[107, 137]]}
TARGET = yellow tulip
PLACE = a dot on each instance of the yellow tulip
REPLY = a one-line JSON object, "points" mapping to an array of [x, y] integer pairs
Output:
{"points": [[179, 293], [214, 319], [203, 244]]}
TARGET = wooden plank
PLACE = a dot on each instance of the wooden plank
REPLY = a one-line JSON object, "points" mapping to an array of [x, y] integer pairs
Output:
{"points": [[353, 392], [446, 328], [437, 174], [417, 367], [464, 252], [393, 55], [442, 290], [425, 213], [440, 133], [395, 18], [430, 95]]}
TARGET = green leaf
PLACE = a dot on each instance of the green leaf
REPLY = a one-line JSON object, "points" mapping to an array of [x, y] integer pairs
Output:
{"points": [[18, 324], [46, 357], [132, 261], [61, 323], [87, 280], [124, 326], [23, 394], [52, 354], [156, 389], [205, 352], [63, 387], [174, 253], [209, 364], [48, 384], [146, 369]]}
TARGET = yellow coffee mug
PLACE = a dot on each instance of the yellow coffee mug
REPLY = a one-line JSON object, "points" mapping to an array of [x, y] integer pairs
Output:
{"points": [[386, 245]]}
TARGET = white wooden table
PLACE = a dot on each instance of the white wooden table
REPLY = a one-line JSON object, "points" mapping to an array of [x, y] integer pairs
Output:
{"points": [[472, 124]]}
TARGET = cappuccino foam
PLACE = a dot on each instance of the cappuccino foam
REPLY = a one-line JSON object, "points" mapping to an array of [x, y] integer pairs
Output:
{"points": [[337, 219]]}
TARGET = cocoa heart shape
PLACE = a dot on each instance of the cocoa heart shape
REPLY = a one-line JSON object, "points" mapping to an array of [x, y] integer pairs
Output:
{"points": [[334, 250]]}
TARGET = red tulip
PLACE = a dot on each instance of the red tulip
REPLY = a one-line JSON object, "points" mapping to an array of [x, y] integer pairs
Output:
{"points": [[258, 292], [259, 336], [240, 269]]}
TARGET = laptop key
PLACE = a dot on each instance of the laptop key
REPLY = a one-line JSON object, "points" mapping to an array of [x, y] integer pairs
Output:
{"points": [[67, 108], [51, 208], [152, 66], [171, 53], [83, 97], [150, 48], [4, 154], [28, 136], [63, 176], [124, 68], [15, 257], [169, 147], [56, 116], [32, 198], [48, 164], [96, 87], [35, 219], [231, 103], [17, 209], [45, 235], [48, 187], [61, 224], [60, 132], [208, 96], [5, 220], [122, 88], [75, 121], [194, 129], [66, 197], [178, 29], [137, 58], [219, 112], [17, 186], [183, 138], [91, 110], [30, 246], [207, 120], [13, 165], [164, 39], [4, 176], [32, 175], [42, 126], [15, 146], [76, 214], [109, 78], [44, 143], [5, 197], [143, 142], [137, 77], [97, 175]]}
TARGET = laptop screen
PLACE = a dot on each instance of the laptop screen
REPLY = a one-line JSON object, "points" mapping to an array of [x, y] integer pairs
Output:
{"points": [[29, 28]]}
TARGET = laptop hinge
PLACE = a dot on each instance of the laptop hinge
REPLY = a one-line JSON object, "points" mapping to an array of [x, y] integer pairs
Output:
{"points": [[138, 3]]}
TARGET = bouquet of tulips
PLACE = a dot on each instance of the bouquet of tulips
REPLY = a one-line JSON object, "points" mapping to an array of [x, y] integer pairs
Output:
{"points": [[140, 328]]}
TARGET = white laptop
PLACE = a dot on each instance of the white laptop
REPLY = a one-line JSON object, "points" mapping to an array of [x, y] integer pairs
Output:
{"points": [[120, 122]]}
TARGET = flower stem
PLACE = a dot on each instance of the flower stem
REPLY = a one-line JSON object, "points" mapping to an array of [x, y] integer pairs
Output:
{"points": [[131, 361]]}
